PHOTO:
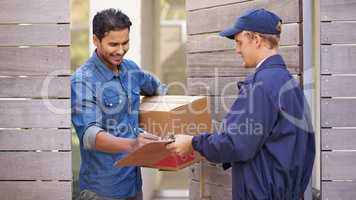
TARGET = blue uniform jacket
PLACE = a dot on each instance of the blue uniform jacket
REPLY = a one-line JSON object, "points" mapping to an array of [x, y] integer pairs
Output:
{"points": [[267, 137], [104, 101]]}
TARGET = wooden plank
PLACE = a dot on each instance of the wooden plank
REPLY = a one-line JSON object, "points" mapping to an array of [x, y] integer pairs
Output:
{"points": [[214, 42], [34, 11], [338, 59], [334, 33], [30, 190], [338, 165], [330, 86], [199, 4], [222, 59], [220, 105], [217, 127], [213, 174], [35, 166], [331, 10], [339, 190], [219, 18], [35, 113], [16, 61], [338, 112], [210, 192], [221, 71], [216, 86], [338, 139], [43, 87], [35, 139], [34, 35]]}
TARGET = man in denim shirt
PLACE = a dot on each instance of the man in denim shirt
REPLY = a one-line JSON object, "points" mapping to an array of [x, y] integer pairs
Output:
{"points": [[105, 101]]}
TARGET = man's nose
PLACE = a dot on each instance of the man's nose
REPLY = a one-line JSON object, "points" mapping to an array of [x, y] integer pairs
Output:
{"points": [[120, 50], [237, 50]]}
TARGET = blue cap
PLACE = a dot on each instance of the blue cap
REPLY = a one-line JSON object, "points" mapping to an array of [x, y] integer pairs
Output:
{"points": [[260, 21]]}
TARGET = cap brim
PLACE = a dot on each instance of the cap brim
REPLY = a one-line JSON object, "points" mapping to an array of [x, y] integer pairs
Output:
{"points": [[230, 33]]}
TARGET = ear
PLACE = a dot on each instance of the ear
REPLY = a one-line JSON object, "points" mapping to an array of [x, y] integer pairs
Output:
{"points": [[96, 40], [258, 40]]}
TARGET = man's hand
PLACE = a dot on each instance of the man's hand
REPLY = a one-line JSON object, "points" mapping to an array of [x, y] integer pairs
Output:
{"points": [[143, 139], [182, 145]]}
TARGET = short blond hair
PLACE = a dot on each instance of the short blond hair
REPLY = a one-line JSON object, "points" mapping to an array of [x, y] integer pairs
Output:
{"points": [[271, 40]]}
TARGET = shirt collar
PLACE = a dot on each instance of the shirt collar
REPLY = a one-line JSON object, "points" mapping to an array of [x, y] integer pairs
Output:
{"points": [[272, 62], [260, 63], [102, 68]]}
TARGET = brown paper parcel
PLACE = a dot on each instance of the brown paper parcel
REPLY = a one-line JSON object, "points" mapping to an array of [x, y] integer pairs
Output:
{"points": [[165, 116]]}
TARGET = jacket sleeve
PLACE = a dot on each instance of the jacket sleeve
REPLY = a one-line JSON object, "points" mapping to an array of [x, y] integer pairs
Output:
{"points": [[245, 128]]}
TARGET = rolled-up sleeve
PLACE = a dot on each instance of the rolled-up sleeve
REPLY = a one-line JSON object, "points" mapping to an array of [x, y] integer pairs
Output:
{"points": [[86, 115], [90, 135]]}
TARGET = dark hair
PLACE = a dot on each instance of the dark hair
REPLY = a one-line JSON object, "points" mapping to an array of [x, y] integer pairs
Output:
{"points": [[109, 20]]}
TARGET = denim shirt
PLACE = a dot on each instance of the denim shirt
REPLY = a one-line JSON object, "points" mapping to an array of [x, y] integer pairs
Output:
{"points": [[104, 101]]}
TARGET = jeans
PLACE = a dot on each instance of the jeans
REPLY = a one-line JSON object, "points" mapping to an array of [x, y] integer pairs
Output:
{"points": [[89, 195]]}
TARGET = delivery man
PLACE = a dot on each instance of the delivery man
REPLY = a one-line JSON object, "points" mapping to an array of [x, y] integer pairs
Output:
{"points": [[105, 93], [267, 136]]}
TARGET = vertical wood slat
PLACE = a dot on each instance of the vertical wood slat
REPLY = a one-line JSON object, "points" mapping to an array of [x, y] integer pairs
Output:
{"points": [[30, 190], [34, 61], [35, 166], [34, 35], [35, 139], [34, 11]]}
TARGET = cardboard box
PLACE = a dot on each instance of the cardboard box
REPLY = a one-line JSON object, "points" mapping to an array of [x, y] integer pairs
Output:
{"points": [[165, 116], [171, 114]]}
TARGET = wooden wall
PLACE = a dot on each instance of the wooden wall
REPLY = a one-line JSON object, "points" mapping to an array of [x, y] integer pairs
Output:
{"points": [[35, 135], [214, 68], [338, 102]]}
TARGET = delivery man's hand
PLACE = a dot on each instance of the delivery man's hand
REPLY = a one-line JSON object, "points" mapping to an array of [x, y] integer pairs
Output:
{"points": [[182, 145]]}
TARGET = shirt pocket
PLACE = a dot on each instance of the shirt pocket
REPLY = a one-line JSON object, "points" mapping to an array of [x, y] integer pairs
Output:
{"points": [[114, 104]]}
